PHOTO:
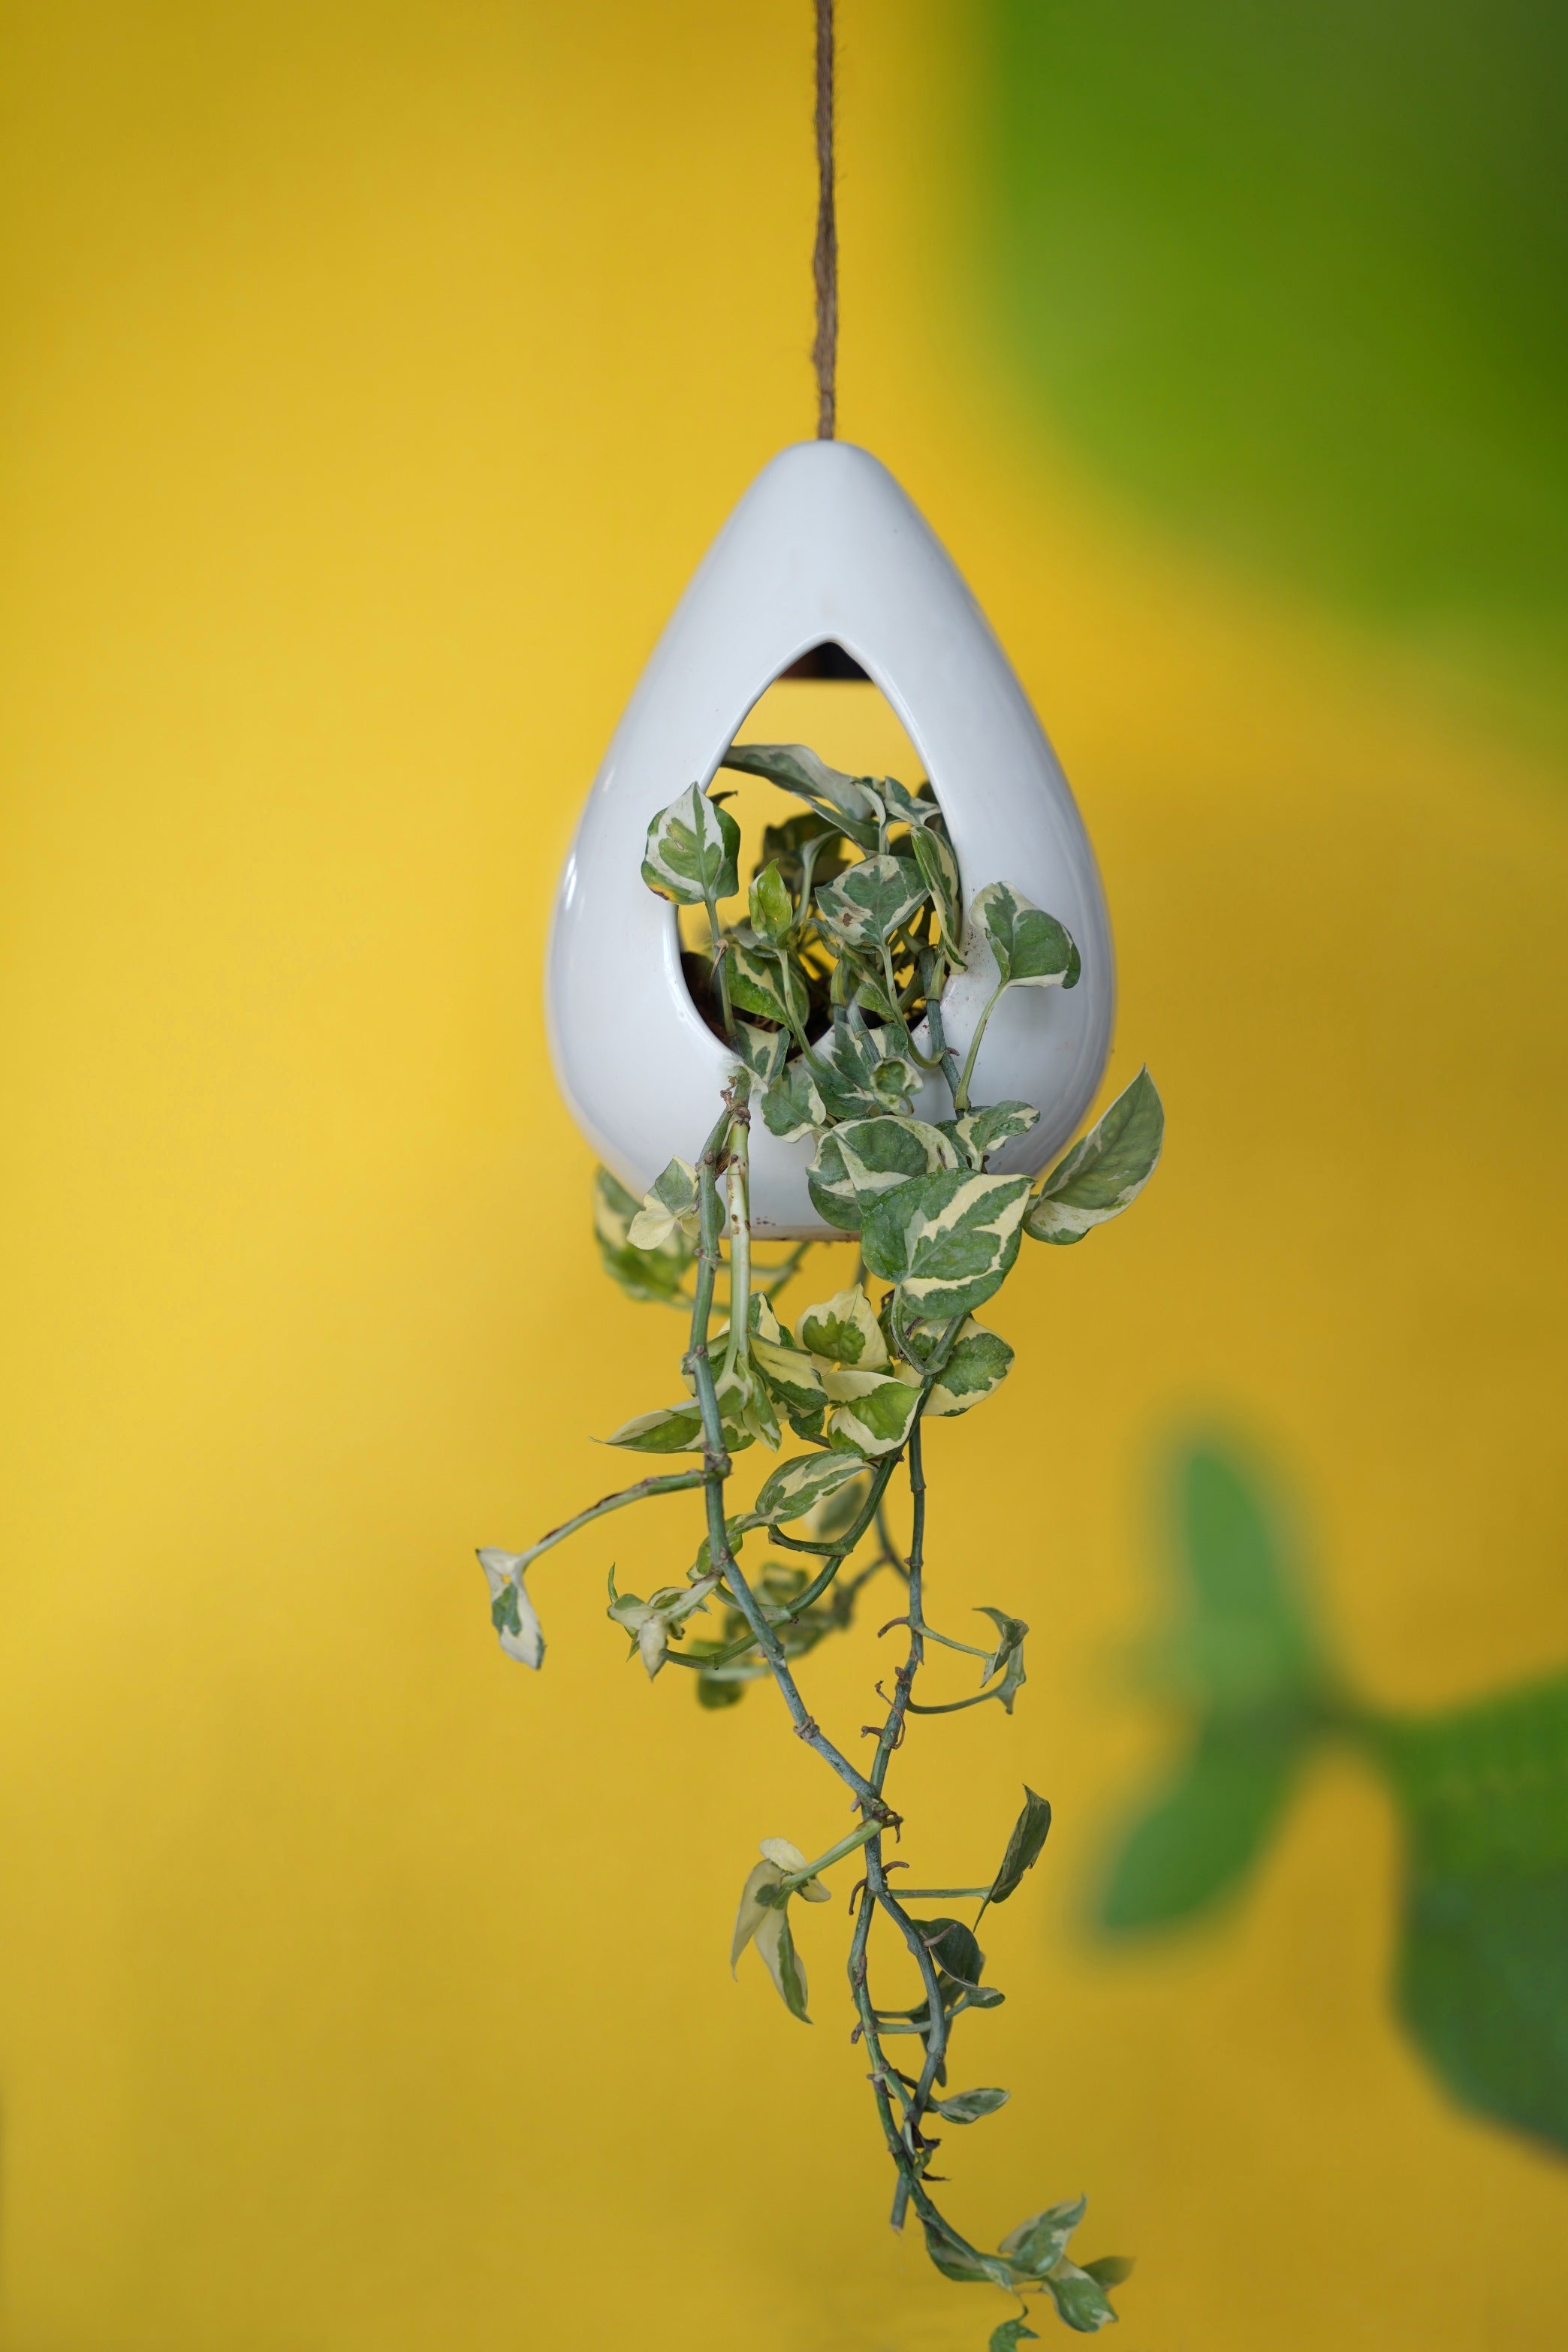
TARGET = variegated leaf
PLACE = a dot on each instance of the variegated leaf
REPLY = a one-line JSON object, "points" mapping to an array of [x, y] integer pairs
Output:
{"points": [[764, 1051], [845, 1329], [895, 1082], [904, 807], [1079, 2298], [1037, 2244], [692, 846], [646, 1275], [798, 769], [948, 1241], [866, 1156], [512, 1613], [673, 1429], [1007, 1658], [939, 870], [766, 981], [791, 1376], [978, 1132], [1105, 1172], [868, 901], [672, 1206], [872, 1411], [1031, 948], [842, 1066], [831, 1520], [969, 2106], [978, 1364], [797, 1487], [793, 1107]]}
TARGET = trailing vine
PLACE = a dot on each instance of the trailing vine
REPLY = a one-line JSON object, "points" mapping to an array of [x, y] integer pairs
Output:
{"points": [[828, 994]]}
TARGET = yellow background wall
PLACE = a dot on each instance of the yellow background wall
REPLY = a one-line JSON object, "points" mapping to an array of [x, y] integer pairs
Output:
{"points": [[377, 375]]}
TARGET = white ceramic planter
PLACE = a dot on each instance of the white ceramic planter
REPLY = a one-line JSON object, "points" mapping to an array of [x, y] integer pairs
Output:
{"points": [[824, 547]]}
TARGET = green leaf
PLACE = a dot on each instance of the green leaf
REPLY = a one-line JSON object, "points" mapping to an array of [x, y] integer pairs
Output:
{"points": [[870, 901], [798, 770], [771, 908], [651, 1276], [845, 1329], [939, 871], [978, 1364], [904, 807], [1105, 1172], [1248, 1642], [977, 1132], [1024, 1846], [1110, 2269], [1079, 2299], [797, 1486], [764, 981], [1010, 2335], [792, 1107], [968, 2106], [1037, 2244], [960, 1962], [1482, 1972], [866, 1156], [955, 2258], [1196, 1843], [949, 1241], [764, 1051], [692, 846], [720, 1690], [873, 1412], [1031, 948], [1007, 1658]]}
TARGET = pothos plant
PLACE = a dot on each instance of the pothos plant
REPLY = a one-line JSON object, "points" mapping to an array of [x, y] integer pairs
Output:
{"points": [[828, 994]]}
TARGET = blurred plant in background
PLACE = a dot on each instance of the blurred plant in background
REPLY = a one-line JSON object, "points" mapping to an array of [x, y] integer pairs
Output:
{"points": [[1480, 1791], [1294, 275]]}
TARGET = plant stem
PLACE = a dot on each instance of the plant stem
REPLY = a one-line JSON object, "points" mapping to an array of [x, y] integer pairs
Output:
{"points": [[960, 1092], [675, 1481]]}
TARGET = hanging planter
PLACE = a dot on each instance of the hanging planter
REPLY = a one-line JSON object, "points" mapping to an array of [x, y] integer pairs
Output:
{"points": [[900, 1031], [824, 548]]}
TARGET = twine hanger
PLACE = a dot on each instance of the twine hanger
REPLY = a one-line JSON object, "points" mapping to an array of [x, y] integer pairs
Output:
{"points": [[825, 260]]}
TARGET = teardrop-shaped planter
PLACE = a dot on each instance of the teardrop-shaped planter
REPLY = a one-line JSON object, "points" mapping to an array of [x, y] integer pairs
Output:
{"points": [[824, 546]]}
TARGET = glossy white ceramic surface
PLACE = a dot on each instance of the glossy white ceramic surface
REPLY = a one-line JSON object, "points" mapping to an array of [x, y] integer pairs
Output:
{"points": [[824, 546]]}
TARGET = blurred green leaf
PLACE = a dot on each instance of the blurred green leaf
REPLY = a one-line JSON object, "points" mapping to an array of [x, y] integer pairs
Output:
{"points": [[1482, 1974], [1199, 1839], [1024, 1846]]}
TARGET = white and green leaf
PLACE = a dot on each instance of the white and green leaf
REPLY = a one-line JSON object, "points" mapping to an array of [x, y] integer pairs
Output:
{"points": [[766, 981], [872, 1411], [939, 870], [975, 1133], [949, 1241], [651, 1276], [512, 1613], [764, 1051], [1104, 1172], [864, 1158], [976, 1367], [969, 2106], [797, 769], [798, 1487], [792, 1106], [672, 1206], [1031, 948], [868, 902], [692, 852], [1037, 2244], [845, 1329]]}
